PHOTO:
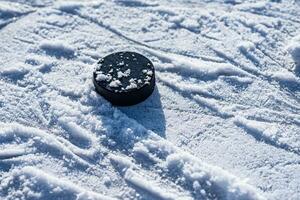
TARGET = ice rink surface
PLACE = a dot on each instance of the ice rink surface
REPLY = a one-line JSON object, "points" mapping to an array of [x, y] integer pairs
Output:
{"points": [[223, 121]]}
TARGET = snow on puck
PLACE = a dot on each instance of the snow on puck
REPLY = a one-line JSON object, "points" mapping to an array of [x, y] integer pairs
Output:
{"points": [[124, 78]]}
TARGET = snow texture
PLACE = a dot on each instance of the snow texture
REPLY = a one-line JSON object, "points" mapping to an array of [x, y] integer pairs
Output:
{"points": [[223, 121], [294, 50]]}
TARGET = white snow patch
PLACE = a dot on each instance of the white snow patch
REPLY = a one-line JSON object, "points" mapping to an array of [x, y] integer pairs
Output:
{"points": [[41, 139], [191, 169], [57, 46], [11, 8], [123, 162], [115, 83], [123, 74], [56, 184], [148, 186], [12, 152], [190, 24], [246, 46], [132, 85], [285, 76], [69, 6], [266, 131], [294, 49], [103, 77], [76, 130], [14, 69]]}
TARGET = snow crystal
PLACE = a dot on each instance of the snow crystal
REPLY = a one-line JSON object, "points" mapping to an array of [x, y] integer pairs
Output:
{"points": [[150, 73], [123, 74], [121, 63], [115, 83], [131, 86], [103, 77]]}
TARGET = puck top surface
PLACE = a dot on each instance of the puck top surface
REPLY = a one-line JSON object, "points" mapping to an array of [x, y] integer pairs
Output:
{"points": [[124, 73]]}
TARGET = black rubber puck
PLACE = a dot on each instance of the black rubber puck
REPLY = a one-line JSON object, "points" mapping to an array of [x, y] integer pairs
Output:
{"points": [[124, 78]]}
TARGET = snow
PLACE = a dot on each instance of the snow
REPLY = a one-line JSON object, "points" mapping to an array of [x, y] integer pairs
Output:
{"points": [[103, 77], [57, 48], [141, 183], [294, 49], [69, 6], [222, 123], [285, 76], [115, 83], [9, 153], [123, 74], [51, 186], [192, 66], [132, 85]]}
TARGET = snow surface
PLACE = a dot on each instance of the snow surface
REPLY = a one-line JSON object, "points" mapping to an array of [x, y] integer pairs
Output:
{"points": [[223, 121]]}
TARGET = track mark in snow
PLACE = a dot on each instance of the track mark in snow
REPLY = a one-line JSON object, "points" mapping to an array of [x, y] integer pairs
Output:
{"points": [[31, 182], [195, 67], [121, 35], [181, 85], [202, 99], [202, 179], [136, 3], [251, 71], [287, 77], [148, 187], [39, 141], [8, 153], [14, 71], [137, 178], [294, 49], [206, 101], [265, 132], [246, 48], [12, 12], [58, 49], [269, 13], [265, 53], [77, 135], [255, 28]]}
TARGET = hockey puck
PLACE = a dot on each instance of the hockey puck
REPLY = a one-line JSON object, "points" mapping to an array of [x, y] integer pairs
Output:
{"points": [[124, 78]]}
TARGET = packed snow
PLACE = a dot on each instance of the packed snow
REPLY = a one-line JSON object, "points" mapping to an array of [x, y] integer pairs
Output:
{"points": [[222, 123]]}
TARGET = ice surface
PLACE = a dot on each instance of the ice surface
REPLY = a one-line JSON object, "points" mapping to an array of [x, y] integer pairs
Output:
{"points": [[222, 123]]}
